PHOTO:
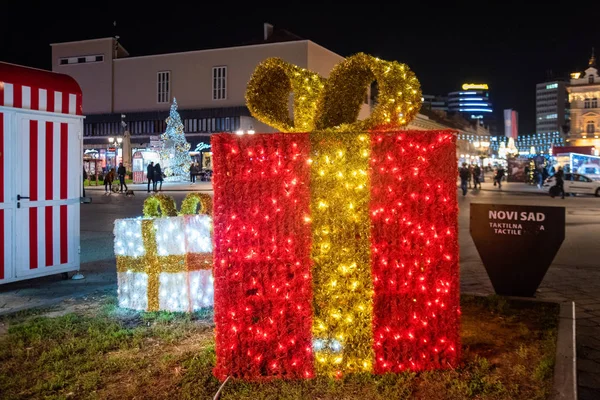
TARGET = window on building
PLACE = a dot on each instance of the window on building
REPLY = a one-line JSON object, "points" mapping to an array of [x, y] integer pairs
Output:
{"points": [[81, 59], [164, 86], [586, 103], [594, 103], [590, 128], [591, 79], [219, 83]]}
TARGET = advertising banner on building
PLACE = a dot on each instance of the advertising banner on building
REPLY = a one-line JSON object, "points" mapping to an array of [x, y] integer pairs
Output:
{"points": [[511, 124], [516, 169]]}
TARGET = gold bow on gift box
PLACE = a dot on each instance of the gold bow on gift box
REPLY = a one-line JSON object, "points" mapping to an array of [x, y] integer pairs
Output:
{"points": [[333, 103]]}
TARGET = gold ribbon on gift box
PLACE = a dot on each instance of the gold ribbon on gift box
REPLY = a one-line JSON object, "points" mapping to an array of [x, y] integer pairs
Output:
{"points": [[333, 103], [153, 264]]}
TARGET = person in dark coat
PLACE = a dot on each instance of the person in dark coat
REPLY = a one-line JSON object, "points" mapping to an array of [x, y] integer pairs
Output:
{"points": [[150, 175], [108, 181], [158, 177], [85, 176], [476, 176], [560, 181], [193, 173], [464, 177], [499, 176], [121, 172]]}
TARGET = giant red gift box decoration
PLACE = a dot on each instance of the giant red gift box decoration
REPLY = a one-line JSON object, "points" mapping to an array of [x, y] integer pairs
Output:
{"points": [[336, 250]]}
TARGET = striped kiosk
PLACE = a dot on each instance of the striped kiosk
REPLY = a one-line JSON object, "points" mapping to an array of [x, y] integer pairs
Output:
{"points": [[41, 127]]}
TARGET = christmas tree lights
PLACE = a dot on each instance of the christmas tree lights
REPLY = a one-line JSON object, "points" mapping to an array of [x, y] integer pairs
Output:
{"points": [[336, 250], [165, 263], [175, 150]]}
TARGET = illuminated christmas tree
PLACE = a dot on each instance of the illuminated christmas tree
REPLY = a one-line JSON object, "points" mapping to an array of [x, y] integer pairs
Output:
{"points": [[175, 150]]}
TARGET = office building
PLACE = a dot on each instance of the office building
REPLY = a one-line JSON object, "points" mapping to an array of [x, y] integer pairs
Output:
{"points": [[473, 102], [551, 107], [435, 103]]}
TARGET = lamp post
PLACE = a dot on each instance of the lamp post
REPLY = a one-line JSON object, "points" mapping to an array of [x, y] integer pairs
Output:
{"points": [[111, 141]]}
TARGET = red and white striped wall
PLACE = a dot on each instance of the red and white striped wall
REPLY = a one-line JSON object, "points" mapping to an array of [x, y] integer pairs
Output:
{"points": [[46, 165], [33, 98], [41, 161]]}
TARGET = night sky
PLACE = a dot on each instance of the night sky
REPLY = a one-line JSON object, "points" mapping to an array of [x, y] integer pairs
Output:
{"points": [[502, 46]]}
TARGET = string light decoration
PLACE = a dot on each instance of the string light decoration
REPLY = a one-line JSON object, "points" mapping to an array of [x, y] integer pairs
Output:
{"points": [[175, 150], [159, 204], [334, 103], [165, 263], [336, 250], [342, 285], [262, 261], [268, 92], [414, 250], [398, 102], [193, 200]]}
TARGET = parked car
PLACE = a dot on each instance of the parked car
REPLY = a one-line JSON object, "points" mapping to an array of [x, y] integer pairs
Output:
{"points": [[574, 184]]}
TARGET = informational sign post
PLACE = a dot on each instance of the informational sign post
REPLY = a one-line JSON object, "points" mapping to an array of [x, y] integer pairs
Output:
{"points": [[517, 244]]}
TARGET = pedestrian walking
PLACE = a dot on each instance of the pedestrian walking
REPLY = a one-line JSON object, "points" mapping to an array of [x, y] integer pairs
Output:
{"points": [[108, 181], [464, 177], [193, 173], [499, 176], [150, 175], [477, 176], [158, 177], [85, 176], [121, 172], [560, 181]]}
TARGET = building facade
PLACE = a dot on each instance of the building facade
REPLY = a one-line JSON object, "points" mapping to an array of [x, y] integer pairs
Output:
{"points": [[435, 103], [584, 96], [551, 107], [472, 101], [539, 143], [209, 86]]}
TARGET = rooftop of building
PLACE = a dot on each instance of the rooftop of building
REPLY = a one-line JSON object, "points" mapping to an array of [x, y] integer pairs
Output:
{"points": [[270, 36], [452, 120]]}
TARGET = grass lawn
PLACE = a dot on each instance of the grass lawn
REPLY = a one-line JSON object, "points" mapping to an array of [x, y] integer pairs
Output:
{"points": [[93, 350]]}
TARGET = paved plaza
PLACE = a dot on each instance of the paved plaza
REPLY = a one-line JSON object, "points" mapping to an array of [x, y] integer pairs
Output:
{"points": [[575, 274]]}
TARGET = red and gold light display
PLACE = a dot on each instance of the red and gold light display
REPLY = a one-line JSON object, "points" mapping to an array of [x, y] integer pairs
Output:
{"points": [[414, 250], [262, 264], [336, 250], [335, 253]]}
